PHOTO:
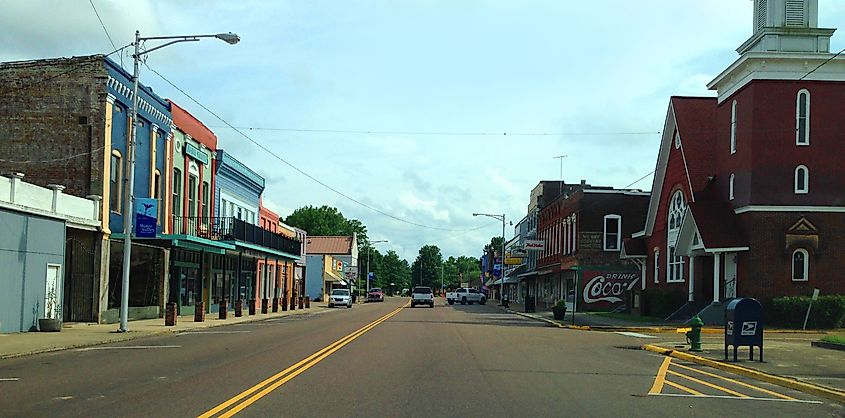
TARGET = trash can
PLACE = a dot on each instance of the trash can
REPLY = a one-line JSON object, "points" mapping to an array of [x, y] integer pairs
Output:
{"points": [[530, 304]]}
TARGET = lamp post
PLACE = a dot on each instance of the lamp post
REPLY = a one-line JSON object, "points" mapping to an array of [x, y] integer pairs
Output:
{"points": [[128, 213], [368, 261], [502, 271], [560, 184]]}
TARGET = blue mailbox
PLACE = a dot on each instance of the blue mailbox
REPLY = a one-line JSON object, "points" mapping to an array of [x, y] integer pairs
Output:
{"points": [[744, 326]]}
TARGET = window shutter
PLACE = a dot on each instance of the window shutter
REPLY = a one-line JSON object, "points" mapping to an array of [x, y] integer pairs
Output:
{"points": [[795, 13], [762, 8]]}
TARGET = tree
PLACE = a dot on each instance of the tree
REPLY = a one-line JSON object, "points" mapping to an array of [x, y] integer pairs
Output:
{"points": [[495, 244], [327, 220], [393, 270], [426, 268]]}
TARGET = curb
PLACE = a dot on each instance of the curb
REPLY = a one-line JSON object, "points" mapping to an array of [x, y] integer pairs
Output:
{"points": [[811, 388], [829, 346], [649, 329], [140, 334]]}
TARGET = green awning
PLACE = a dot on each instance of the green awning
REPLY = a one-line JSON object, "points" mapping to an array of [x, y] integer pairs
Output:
{"points": [[265, 250]]}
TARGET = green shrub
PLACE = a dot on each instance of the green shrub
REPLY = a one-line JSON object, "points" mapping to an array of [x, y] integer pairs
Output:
{"points": [[561, 304], [662, 303], [828, 312]]}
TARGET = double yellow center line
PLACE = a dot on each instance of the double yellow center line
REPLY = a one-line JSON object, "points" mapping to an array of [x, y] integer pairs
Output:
{"points": [[272, 383]]}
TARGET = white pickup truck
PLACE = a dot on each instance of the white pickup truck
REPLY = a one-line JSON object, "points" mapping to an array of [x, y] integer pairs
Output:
{"points": [[466, 295]]}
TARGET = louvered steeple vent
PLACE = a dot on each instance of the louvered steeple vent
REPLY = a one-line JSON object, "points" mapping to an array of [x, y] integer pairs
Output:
{"points": [[787, 26]]}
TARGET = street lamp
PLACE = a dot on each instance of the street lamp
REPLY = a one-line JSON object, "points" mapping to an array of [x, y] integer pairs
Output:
{"points": [[370, 245], [229, 38], [502, 271]]}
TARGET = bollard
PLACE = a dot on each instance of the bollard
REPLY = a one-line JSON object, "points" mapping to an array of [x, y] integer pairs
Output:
{"points": [[301, 302], [308, 302], [251, 306], [284, 304], [275, 304], [223, 311], [170, 315], [199, 312], [293, 303], [264, 303], [239, 308]]}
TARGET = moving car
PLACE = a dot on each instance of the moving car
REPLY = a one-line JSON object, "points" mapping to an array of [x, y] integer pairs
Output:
{"points": [[466, 295], [340, 297], [375, 295], [422, 295]]}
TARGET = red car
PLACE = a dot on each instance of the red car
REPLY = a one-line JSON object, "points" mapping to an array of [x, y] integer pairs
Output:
{"points": [[375, 295]]}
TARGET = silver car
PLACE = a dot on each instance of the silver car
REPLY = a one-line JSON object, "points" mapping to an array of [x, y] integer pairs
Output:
{"points": [[340, 297]]}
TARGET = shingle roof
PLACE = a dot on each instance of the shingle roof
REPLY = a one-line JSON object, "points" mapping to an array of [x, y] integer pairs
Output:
{"points": [[634, 247], [329, 245], [696, 121], [717, 224]]}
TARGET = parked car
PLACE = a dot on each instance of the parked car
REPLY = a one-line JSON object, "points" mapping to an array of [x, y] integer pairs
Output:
{"points": [[422, 295], [375, 295], [466, 295], [340, 297]]}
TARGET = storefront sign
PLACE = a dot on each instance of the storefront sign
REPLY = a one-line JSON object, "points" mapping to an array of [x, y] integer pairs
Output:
{"points": [[535, 245], [146, 217], [602, 290], [513, 261], [192, 151]]}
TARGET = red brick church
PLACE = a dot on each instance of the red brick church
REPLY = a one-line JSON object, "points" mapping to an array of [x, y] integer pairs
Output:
{"points": [[748, 198]]}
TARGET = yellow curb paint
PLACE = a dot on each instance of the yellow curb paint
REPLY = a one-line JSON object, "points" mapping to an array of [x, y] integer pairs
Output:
{"points": [[684, 388], [657, 387], [737, 382], [813, 389], [292, 370], [708, 384]]}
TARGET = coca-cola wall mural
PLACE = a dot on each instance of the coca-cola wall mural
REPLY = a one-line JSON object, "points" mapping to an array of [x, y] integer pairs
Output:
{"points": [[605, 290]]}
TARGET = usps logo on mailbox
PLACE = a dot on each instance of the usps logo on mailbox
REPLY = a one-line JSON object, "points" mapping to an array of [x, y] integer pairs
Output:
{"points": [[730, 328], [749, 328]]}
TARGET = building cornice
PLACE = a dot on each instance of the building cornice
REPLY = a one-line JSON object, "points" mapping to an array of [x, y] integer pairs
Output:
{"points": [[797, 209]]}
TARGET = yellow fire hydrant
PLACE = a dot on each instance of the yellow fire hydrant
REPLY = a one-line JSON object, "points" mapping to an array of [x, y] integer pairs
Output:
{"points": [[694, 335]]}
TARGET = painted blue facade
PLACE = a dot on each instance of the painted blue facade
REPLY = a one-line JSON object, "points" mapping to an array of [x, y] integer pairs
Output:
{"points": [[236, 180], [153, 112]]}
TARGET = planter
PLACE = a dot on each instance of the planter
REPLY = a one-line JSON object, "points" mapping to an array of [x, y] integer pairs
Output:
{"points": [[559, 312], [49, 325]]}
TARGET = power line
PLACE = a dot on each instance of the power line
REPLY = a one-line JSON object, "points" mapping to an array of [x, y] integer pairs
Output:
{"points": [[822, 64], [432, 133], [299, 170], [103, 25]]}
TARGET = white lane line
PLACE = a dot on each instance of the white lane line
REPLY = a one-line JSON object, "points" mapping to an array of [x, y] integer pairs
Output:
{"points": [[9, 379], [676, 395], [129, 347], [635, 334], [210, 332]]}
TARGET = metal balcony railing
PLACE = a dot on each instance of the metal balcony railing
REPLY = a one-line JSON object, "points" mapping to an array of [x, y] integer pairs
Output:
{"points": [[213, 228], [254, 234]]}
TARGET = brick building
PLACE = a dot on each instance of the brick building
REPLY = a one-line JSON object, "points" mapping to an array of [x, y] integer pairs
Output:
{"points": [[747, 197], [64, 121], [583, 230]]}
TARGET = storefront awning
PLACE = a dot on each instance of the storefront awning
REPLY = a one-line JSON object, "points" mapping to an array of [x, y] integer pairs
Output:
{"points": [[264, 250], [187, 242]]}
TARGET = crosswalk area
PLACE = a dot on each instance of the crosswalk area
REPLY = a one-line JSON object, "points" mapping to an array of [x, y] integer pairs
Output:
{"points": [[678, 378]]}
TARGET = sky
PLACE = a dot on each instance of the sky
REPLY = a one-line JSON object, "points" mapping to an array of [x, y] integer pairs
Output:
{"points": [[425, 110]]}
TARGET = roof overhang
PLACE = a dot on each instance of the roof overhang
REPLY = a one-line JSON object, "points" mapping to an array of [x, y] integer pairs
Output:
{"points": [[690, 242]]}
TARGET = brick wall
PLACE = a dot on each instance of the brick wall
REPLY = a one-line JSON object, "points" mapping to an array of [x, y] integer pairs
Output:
{"points": [[51, 110]]}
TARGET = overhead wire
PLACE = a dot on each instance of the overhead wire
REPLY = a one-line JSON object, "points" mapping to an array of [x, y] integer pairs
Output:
{"points": [[103, 25], [299, 170]]}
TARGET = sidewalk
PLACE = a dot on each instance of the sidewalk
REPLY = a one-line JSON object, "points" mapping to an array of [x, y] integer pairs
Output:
{"points": [[75, 335], [594, 321]]}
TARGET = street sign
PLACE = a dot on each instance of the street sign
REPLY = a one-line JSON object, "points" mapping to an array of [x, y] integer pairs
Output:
{"points": [[371, 275], [816, 294]]}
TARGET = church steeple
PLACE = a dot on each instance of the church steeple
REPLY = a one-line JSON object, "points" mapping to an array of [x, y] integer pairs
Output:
{"points": [[787, 26]]}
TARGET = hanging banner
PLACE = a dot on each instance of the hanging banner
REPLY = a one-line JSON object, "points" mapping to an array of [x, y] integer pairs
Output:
{"points": [[146, 217]]}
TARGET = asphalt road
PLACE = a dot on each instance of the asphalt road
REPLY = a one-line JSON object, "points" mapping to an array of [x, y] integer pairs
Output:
{"points": [[447, 361]]}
